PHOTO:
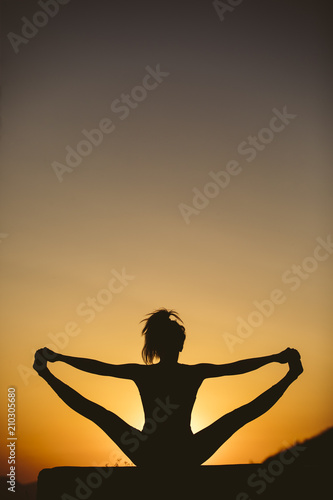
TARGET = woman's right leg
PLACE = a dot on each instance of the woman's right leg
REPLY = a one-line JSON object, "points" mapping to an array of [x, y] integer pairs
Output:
{"points": [[207, 441]]}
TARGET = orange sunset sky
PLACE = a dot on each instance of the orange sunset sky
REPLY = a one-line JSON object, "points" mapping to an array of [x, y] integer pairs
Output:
{"points": [[266, 234]]}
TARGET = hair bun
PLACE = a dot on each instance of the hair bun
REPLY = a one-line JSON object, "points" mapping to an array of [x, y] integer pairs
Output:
{"points": [[161, 315]]}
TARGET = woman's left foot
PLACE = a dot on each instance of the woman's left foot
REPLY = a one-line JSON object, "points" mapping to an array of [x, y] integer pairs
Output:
{"points": [[40, 363]]}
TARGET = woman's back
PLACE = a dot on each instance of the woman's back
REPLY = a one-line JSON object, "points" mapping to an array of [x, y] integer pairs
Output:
{"points": [[168, 392]]}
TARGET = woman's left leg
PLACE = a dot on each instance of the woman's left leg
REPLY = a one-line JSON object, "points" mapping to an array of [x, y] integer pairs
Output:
{"points": [[117, 429]]}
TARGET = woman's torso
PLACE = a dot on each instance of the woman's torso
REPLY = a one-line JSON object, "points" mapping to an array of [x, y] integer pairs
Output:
{"points": [[168, 393]]}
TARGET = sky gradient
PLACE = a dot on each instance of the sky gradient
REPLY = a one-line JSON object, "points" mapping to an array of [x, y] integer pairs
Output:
{"points": [[119, 210]]}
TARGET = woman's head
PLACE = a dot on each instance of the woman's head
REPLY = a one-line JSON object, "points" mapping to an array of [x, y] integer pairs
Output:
{"points": [[164, 336]]}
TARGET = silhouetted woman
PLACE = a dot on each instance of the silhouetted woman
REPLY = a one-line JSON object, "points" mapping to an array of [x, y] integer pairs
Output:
{"points": [[168, 391]]}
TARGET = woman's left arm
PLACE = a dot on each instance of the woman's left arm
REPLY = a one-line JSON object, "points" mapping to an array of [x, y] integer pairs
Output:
{"points": [[127, 371]]}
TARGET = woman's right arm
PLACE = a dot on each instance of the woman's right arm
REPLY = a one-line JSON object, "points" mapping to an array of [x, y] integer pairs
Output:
{"points": [[207, 370]]}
